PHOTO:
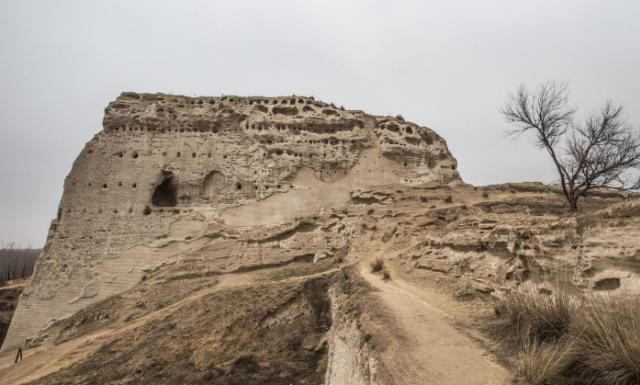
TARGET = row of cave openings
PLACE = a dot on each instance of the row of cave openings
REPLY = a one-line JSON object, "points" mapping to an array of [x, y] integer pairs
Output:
{"points": [[275, 151], [165, 128], [178, 154], [296, 128], [214, 185], [346, 144], [393, 127], [165, 194], [412, 140], [292, 100], [286, 106], [277, 110]]}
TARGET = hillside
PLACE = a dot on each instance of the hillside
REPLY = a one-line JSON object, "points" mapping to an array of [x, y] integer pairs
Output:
{"points": [[243, 254]]}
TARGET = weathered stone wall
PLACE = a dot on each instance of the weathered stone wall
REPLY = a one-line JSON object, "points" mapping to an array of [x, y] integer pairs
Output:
{"points": [[167, 170]]}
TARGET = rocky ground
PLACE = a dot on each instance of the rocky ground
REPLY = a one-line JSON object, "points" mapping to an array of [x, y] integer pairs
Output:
{"points": [[298, 304]]}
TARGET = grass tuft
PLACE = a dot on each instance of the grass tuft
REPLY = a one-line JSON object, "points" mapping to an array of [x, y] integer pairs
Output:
{"points": [[542, 363], [377, 265], [564, 338], [608, 342], [531, 316]]}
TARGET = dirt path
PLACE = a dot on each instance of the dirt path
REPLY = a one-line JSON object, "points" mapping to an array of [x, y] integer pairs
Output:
{"points": [[434, 352]]}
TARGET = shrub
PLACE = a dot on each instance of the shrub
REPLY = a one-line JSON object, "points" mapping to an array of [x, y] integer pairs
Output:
{"points": [[530, 316], [568, 339], [377, 265], [542, 363], [385, 275], [607, 333]]}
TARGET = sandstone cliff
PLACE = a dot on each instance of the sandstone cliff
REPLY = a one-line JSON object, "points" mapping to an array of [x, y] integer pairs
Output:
{"points": [[229, 241], [167, 170]]}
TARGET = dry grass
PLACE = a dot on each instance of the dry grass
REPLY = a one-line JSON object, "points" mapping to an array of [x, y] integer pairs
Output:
{"points": [[607, 333], [377, 265], [542, 363], [540, 317], [568, 339]]}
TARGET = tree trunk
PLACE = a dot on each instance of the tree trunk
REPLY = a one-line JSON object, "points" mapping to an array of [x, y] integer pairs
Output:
{"points": [[573, 205]]}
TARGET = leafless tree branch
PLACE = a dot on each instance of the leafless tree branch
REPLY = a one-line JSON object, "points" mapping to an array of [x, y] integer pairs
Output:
{"points": [[604, 151]]}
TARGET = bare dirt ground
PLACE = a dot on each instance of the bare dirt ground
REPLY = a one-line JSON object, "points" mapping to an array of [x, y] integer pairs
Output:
{"points": [[433, 351]]}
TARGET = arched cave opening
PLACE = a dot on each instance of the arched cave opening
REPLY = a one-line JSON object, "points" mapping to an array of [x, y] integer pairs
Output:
{"points": [[213, 185], [165, 194]]}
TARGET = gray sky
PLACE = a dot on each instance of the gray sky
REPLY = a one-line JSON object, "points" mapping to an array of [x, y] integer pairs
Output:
{"points": [[444, 64]]}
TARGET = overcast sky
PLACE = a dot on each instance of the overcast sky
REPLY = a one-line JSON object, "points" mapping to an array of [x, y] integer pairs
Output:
{"points": [[444, 64]]}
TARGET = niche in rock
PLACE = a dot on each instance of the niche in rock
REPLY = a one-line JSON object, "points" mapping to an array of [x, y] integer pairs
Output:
{"points": [[612, 283], [165, 194], [213, 185]]}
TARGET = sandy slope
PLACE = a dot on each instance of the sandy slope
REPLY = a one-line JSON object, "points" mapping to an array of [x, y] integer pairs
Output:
{"points": [[44, 360], [47, 359]]}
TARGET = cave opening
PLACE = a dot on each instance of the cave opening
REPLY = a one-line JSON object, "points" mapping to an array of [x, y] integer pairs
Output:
{"points": [[165, 194]]}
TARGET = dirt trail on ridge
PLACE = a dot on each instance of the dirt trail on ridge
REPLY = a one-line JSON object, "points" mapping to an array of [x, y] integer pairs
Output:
{"points": [[433, 351], [44, 360]]}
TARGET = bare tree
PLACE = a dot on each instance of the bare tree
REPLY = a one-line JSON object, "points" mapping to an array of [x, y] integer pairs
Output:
{"points": [[604, 151]]}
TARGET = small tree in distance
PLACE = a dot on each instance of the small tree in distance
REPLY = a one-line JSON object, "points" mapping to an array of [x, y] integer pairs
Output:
{"points": [[604, 151]]}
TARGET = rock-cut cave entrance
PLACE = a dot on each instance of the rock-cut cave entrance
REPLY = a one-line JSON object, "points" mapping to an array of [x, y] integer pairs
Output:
{"points": [[165, 194], [214, 184]]}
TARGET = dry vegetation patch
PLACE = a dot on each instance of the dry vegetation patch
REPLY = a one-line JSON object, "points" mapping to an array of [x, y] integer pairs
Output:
{"points": [[377, 265], [570, 338], [266, 333]]}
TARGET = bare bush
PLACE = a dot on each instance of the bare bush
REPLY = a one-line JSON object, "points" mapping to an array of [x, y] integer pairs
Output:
{"points": [[602, 151]]}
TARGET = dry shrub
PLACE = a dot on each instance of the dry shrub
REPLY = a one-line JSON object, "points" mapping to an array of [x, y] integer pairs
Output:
{"points": [[386, 276], [543, 363], [568, 339], [530, 316], [377, 265], [607, 333]]}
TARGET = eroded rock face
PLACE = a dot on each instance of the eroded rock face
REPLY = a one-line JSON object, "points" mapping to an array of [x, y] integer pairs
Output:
{"points": [[169, 173], [8, 301]]}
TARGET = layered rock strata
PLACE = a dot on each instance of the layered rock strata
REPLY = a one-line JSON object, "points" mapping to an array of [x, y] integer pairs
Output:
{"points": [[168, 173]]}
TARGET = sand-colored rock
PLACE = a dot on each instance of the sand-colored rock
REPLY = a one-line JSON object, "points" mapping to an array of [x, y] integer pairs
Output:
{"points": [[176, 168], [236, 234]]}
